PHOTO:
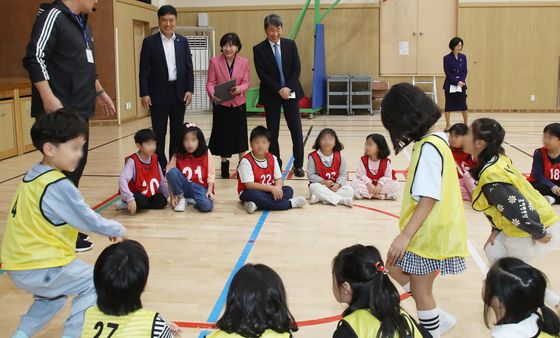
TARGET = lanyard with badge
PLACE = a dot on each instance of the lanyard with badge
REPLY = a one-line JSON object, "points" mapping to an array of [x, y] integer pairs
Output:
{"points": [[89, 52]]}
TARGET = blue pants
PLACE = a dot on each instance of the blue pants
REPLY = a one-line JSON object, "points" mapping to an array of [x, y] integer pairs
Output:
{"points": [[181, 186], [265, 200], [50, 288]]}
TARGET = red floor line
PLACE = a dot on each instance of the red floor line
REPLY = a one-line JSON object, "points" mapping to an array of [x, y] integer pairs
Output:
{"points": [[105, 201]]}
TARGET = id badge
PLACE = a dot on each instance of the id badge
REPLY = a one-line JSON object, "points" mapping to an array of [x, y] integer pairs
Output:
{"points": [[89, 55]]}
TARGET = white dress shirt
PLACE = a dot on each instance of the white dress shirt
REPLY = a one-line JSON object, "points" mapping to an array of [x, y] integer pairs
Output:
{"points": [[169, 49], [279, 47]]}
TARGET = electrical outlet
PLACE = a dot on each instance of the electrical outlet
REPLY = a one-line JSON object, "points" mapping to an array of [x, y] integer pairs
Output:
{"points": [[128, 105], [533, 98]]}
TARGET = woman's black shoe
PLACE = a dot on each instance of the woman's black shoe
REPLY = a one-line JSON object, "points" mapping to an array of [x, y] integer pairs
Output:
{"points": [[225, 169]]}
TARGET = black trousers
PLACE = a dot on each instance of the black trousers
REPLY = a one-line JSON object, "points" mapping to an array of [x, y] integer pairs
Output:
{"points": [[172, 109], [157, 201], [293, 119], [546, 191]]}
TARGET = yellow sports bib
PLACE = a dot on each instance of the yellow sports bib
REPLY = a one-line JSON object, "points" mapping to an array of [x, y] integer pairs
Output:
{"points": [[366, 325], [31, 241], [266, 334], [503, 171], [443, 234], [138, 324]]}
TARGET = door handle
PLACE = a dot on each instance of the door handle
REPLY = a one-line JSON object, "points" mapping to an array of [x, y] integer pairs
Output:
{"points": [[421, 33], [414, 33]]}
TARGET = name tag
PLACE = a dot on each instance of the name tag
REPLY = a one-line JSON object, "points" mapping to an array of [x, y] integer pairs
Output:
{"points": [[89, 55]]}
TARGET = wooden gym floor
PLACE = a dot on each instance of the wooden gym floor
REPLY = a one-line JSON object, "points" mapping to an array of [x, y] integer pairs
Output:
{"points": [[193, 254]]}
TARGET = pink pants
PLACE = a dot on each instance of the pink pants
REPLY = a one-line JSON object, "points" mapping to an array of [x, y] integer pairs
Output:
{"points": [[467, 185], [390, 188]]}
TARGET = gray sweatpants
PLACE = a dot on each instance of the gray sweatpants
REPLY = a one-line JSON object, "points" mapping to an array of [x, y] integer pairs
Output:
{"points": [[50, 288]]}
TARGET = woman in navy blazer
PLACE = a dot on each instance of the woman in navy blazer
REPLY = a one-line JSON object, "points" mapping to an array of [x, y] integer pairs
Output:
{"points": [[455, 68]]}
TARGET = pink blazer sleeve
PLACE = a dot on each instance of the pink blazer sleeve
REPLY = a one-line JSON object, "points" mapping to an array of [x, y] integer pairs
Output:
{"points": [[244, 81], [212, 79]]}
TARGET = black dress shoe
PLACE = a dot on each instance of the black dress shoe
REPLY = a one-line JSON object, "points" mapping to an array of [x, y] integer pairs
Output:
{"points": [[298, 172], [225, 169]]}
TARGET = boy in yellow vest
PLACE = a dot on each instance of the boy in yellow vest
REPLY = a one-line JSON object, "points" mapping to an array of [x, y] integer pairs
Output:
{"points": [[45, 215], [120, 275], [523, 222]]}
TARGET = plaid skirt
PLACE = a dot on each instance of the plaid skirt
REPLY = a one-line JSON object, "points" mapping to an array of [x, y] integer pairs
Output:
{"points": [[418, 265]]}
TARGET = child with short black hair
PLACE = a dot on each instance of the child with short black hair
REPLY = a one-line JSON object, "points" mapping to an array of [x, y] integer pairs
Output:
{"points": [[375, 177], [120, 276], [545, 172], [360, 280], [259, 178], [38, 248], [433, 238], [256, 306], [142, 183], [190, 172], [515, 291], [327, 171], [463, 160]]}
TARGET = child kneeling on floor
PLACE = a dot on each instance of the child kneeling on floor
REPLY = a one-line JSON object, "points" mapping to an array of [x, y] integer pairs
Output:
{"points": [[259, 179], [142, 184]]}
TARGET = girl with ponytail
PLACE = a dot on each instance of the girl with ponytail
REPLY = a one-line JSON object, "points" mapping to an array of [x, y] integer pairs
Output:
{"points": [[523, 222], [515, 292], [360, 280]]}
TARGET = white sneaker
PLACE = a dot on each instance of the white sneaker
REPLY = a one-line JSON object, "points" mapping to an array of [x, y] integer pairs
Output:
{"points": [[313, 199], [181, 205], [349, 202], [551, 200], [190, 201], [358, 196], [391, 197], [446, 322], [298, 202], [121, 205], [250, 207]]}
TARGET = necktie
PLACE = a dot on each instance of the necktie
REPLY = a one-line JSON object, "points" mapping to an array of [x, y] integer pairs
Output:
{"points": [[278, 58]]}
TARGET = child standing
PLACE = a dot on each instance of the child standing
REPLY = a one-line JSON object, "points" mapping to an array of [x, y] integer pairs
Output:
{"points": [[120, 276], [256, 306], [463, 160], [545, 173], [361, 281], [523, 222], [190, 172], [259, 178], [433, 228], [45, 215], [142, 184], [326, 169], [375, 177], [515, 292]]}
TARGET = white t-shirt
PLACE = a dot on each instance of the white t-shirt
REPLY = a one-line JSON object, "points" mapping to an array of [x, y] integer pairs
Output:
{"points": [[526, 328], [246, 170], [427, 180]]}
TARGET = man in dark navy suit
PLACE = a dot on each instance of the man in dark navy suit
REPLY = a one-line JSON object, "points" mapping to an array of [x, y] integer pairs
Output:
{"points": [[166, 80], [278, 67]]}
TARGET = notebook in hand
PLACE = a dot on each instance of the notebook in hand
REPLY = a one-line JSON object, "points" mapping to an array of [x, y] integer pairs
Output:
{"points": [[221, 91]]}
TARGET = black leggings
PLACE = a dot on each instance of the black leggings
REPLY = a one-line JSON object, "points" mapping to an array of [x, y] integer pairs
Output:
{"points": [[157, 201], [545, 190]]}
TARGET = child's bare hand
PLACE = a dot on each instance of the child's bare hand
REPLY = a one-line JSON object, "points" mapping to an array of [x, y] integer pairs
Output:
{"points": [[377, 189], [174, 200], [132, 207], [491, 238], [545, 239], [371, 188], [277, 193], [211, 196], [397, 249], [335, 187], [175, 329], [327, 183], [556, 190]]}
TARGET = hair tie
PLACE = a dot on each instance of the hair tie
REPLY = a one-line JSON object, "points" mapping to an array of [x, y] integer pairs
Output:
{"points": [[380, 267], [190, 125]]}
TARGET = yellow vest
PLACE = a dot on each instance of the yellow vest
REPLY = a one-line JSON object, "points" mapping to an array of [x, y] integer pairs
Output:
{"points": [[138, 324], [31, 241], [503, 171], [266, 334], [443, 234], [366, 325]]}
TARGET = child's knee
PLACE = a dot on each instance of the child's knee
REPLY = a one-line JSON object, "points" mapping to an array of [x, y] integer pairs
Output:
{"points": [[288, 191], [173, 173], [205, 205]]}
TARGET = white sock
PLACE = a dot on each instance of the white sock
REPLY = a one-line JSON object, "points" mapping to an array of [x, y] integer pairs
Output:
{"points": [[430, 320], [446, 321], [551, 299]]}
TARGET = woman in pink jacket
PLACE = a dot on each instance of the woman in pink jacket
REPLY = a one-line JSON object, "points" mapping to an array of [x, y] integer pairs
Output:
{"points": [[229, 125]]}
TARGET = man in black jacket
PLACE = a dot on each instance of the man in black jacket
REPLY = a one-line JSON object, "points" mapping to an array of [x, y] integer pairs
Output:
{"points": [[60, 62], [278, 67], [166, 80]]}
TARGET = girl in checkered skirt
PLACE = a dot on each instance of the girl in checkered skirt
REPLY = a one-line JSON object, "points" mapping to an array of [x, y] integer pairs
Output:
{"points": [[433, 228]]}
